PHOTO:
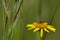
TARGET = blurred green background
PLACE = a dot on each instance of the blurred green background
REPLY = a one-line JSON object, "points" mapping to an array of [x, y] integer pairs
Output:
{"points": [[14, 17]]}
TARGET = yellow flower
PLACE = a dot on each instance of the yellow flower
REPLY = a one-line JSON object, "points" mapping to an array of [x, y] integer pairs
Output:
{"points": [[41, 27]]}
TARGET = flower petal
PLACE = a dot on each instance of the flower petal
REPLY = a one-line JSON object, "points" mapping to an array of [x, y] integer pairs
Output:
{"points": [[46, 30], [51, 28], [30, 28], [34, 23], [45, 23], [30, 25], [36, 29], [41, 33]]}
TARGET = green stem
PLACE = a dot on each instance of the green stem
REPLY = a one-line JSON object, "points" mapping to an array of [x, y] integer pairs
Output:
{"points": [[18, 10], [54, 12]]}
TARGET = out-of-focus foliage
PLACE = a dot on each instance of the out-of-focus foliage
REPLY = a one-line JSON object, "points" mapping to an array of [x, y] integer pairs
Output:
{"points": [[13, 19]]}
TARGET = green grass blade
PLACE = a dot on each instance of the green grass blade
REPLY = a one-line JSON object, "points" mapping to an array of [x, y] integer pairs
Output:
{"points": [[2, 21]]}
